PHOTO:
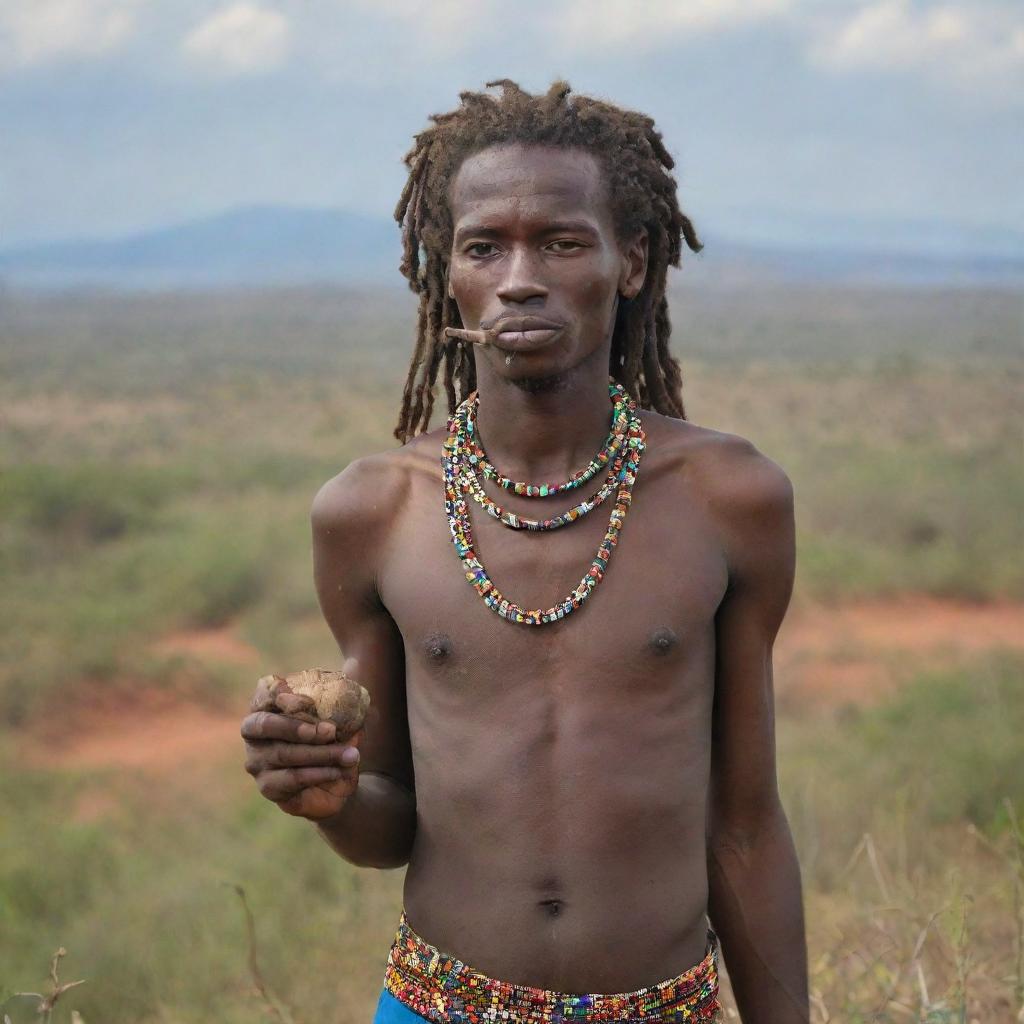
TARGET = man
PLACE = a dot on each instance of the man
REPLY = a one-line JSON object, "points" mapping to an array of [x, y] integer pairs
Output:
{"points": [[578, 775]]}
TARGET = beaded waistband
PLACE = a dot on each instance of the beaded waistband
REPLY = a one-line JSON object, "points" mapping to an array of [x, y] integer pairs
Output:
{"points": [[442, 988]]}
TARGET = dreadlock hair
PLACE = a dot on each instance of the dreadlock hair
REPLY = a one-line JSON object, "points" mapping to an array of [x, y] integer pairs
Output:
{"points": [[643, 195]]}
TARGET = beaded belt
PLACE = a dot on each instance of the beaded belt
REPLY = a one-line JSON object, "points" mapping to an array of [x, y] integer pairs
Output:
{"points": [[441, 988]]}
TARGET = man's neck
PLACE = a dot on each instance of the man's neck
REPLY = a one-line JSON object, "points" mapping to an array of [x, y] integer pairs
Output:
{"points": [[544, 430]]}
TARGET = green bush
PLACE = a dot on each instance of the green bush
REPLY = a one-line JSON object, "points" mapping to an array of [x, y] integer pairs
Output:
{"points": [[945, 751], [89, 503]]}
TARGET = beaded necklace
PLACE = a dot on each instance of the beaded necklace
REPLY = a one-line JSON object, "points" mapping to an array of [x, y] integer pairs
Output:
{"points": [[478, 457], [458, 471], [472, 485]]}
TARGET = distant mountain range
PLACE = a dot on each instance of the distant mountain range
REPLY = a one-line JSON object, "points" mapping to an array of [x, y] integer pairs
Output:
{"points": [[266, 245]]}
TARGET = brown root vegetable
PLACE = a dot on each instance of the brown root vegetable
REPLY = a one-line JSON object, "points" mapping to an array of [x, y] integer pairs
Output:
{"points": [[315, 695]]}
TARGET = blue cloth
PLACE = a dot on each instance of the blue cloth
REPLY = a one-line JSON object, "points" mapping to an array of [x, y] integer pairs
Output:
{"points": [[391, 1011]]}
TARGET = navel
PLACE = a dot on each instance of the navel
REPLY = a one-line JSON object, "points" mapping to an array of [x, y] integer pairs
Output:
{"points": [[438, 646], [553, 907], [663, 640]]}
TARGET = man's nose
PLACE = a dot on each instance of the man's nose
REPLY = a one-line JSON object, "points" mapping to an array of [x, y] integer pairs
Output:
{"points": [[522, 279]]}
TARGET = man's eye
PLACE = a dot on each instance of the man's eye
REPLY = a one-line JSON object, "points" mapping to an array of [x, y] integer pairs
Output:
{"points": [[476, 247], [565, 245]]}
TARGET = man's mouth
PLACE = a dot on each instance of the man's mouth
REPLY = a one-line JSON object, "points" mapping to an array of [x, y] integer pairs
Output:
{"points": [[525, 333]]}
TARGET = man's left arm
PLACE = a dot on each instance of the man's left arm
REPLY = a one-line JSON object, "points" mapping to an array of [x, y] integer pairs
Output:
{"points": [[755, 901]]}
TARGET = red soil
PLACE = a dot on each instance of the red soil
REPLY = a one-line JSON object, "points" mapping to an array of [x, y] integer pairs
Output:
{"points": [[824, 657], [856, 653], [222, 644]]}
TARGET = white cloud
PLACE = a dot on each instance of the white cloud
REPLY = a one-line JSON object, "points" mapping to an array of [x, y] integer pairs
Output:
{"points": [[606, 24], [964, 43], [38, 31], [240, 39], [435, 28]]}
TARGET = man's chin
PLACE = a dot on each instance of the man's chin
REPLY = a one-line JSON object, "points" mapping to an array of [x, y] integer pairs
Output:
{"points": [[542, 383]]}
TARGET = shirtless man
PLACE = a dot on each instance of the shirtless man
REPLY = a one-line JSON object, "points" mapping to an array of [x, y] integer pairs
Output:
{"points": [[574, 799]]}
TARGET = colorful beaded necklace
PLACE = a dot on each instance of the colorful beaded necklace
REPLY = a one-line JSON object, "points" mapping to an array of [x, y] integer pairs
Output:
{"points": [[471, 484], [458, 472], [478, 457]]}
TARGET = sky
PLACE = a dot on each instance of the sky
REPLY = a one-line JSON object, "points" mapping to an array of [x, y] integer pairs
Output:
{"points": [[793, 121]]}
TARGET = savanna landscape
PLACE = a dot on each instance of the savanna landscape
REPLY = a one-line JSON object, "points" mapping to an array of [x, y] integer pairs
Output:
{"points": [[158, 456]]}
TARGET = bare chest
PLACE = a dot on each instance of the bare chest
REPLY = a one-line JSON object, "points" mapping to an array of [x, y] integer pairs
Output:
{"points": [[643, 625]]}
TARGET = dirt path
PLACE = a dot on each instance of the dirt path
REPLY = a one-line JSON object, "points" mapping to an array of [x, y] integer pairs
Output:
{"points": [[122, 725], [824, 656], [915, 625], [151, 733], [224, 645], [857, 653], [122, 735]]}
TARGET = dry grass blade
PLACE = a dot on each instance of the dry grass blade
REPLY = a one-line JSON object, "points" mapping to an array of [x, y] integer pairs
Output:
{"points": [[876, 867], [820, 1009], [278, 1010], [47, 1003], [923, 988], [1018, 901]]}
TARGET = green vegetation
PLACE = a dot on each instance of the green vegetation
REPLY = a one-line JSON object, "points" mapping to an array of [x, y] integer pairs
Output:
{"points": [[944, 751], [907, 822], [160, 452], [159, 934], [142, 902], [158, 455]]}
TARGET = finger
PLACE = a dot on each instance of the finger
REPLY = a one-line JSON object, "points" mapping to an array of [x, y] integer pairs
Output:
{"points": [[296, 755], [285, 783], [266, 725], [350, 752], [266, 689], [351, 668]]}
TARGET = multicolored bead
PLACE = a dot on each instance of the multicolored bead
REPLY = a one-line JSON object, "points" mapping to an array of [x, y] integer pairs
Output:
{"points": [[622, 406], [461, 462]]}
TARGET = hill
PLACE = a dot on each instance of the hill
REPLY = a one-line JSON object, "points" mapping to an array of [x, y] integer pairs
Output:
{"points": [[258, 245]]}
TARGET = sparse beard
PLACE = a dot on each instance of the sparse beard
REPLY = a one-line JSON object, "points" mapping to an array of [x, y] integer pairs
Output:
{"points": [[551, 384]]}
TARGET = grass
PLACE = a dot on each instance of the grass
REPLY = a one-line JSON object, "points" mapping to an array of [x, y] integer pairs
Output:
{"points": [[903, 831], [906, 818], [144, 907], [92, 614], [157, 459], [944, 751], [160, 454]]}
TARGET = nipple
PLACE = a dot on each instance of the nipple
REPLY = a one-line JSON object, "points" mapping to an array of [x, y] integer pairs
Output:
{"points": [[437, 646], [663, 640]]}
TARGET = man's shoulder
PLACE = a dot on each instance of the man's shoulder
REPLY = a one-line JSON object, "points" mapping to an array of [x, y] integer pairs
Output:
{"points": [[729, 471], [372, 489]]}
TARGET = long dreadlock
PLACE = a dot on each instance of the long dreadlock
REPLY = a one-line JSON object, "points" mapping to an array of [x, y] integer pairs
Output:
{"points": [[643, 193]]}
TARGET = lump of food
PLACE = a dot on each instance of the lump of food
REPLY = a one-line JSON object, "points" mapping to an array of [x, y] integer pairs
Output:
{"points": [[315, 695]]}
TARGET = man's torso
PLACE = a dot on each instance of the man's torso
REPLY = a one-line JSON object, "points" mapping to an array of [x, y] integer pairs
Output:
{"points": [[562, 770]]}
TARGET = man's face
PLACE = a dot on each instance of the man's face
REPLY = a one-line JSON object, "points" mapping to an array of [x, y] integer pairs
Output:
{"points": [[534, 238]]}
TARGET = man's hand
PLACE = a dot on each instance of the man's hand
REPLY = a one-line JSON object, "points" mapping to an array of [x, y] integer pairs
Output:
{"points": [[300, 766]]}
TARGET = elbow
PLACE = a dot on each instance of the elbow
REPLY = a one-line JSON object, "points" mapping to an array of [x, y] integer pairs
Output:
{"points": [[392, 864], [383, 858], [386, 858], [381, 863]]}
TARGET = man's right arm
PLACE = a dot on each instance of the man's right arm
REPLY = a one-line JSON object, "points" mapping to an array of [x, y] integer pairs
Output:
{"points": [[352, 517], [377, 825]]}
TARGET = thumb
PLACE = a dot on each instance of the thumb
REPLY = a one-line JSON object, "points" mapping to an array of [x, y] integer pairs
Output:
{"points": [[351, 668], [353, 741]]}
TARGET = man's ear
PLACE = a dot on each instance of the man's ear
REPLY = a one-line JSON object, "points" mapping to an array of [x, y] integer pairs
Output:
{"points": [[634, 266]]}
